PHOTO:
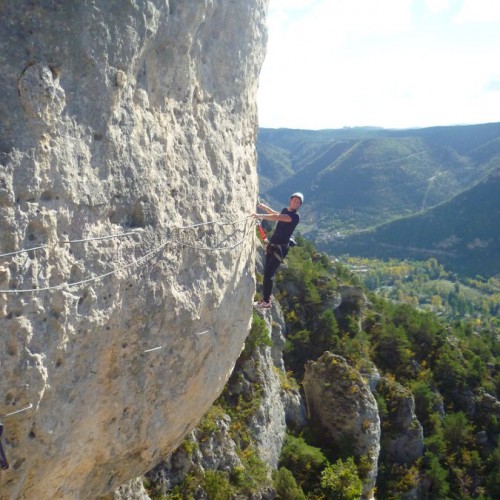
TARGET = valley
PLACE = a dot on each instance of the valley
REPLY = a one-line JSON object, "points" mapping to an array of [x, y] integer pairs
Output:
{"points": [[418, 193]]}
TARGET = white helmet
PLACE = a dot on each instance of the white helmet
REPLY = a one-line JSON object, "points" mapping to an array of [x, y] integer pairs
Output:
{"points": [[298, 195]]}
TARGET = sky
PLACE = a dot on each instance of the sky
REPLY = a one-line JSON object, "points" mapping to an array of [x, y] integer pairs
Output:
{"points": [[383, 63]]}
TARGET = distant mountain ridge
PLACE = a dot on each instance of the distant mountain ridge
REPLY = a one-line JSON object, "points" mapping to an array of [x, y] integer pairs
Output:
{"points": [[463, 234], [357, 178]]}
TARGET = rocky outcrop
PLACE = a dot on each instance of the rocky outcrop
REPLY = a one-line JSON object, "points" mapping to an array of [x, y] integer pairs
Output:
{"points": [[294, 405], [352, 303], [217, 444], [257, 378], [132, 490], [340, 402], [125, 126], [487, 409], [402, 433], [209, 447]]}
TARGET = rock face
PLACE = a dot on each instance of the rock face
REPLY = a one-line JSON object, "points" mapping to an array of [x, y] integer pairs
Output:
{"points": [[340, 401], [267, 423], [212, 449], [402, 435], [254, 379], [352, 302], [123, 124]]}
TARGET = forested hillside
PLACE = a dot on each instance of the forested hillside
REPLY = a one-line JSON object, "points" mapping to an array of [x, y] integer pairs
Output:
{"points": [[356, 179], [463, 234], [450, 369]]}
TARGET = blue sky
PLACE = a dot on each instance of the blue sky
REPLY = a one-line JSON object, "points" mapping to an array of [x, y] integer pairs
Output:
{"points": [[387, 63]]}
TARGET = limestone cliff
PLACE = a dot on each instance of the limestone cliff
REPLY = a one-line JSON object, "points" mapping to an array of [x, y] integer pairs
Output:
{"points": [[125, 124], [402, 434], [340, 402], [251, 416]]}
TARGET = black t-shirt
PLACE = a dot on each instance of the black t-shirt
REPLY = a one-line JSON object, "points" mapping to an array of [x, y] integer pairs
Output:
{"points": [[284, 230]]}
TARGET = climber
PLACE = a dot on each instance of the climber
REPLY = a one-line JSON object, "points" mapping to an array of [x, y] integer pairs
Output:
{"points": [[279, 242]]}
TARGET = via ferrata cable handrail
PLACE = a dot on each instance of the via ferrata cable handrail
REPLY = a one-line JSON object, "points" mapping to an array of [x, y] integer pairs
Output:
{"points": [[24, 250], [119, 235], [135, 262], [87, 280], [212, 222], [100, 238], [215, 249], [26, 408], [70, 242]]}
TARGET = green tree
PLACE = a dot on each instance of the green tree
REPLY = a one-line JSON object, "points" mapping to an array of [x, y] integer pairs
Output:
{"points": [[433, 269], [286, 486], [304, 461], [393, 350], [340, 481], [258, 336], [217, 486], [438, 477], [450, 373], [426, 401], [325, 335], [493, 471], [457, 430]]}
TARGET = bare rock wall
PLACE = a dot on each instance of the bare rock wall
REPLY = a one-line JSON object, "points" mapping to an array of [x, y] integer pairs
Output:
{"points": [[340, 402], [121, 117]]}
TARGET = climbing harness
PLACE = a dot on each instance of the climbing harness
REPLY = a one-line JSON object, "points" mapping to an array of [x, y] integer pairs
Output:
{"points": [[279, 251]]}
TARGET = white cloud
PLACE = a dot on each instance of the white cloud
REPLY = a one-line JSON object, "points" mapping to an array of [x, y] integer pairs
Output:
{"points": [[437, 6], [478, 11], [359, 62], [493, 85]]}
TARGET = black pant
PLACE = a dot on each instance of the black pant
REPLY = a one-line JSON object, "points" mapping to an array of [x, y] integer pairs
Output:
{"points": [[270, 268]]}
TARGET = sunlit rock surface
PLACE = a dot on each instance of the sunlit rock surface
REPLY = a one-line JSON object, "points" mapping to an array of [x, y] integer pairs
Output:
{"points": [[216, 445], [339, 400], [119, 117]]}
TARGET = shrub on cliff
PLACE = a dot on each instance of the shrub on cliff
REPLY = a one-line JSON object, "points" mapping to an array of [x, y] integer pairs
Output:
{"points": [[286, 486], [340, 481]]}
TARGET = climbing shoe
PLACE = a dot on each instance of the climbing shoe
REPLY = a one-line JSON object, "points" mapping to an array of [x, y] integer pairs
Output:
{"points": [[263, 304]]}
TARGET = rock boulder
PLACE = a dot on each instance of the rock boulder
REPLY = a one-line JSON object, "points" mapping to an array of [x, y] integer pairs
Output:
{"points": [[340, 402]]}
